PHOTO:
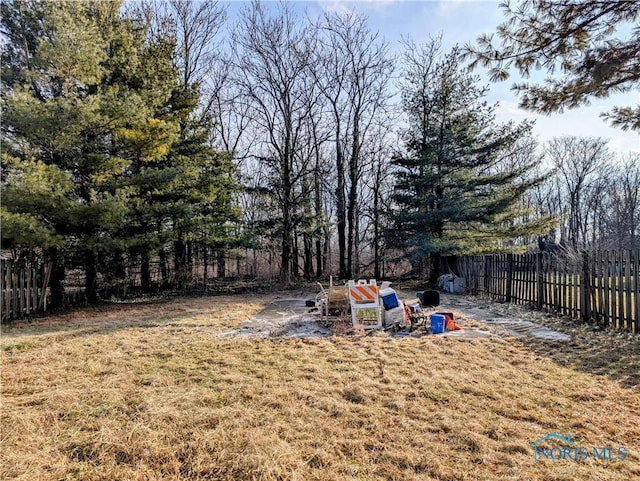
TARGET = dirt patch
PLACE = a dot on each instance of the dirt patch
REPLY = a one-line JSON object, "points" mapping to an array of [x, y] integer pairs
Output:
{"points": [[293, 317], [290, 317]]}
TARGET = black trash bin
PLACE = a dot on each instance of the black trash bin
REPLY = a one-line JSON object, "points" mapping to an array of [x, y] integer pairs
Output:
{"points": [[429, 298]]}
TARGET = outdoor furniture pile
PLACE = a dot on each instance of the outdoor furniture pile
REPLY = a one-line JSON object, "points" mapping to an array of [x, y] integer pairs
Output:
{"points": [[370, 306]]}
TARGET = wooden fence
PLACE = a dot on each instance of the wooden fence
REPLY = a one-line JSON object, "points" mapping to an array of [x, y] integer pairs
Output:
{"points": [[601, 286], [23, 288]]}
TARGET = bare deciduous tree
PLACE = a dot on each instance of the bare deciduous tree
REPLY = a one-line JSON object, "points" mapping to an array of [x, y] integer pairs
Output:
{"points": [[578, 163], [622, 211], [273, 54], [358, 68]]}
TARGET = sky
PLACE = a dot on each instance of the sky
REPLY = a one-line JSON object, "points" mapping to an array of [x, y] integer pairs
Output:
{"points": [[461, 22]]}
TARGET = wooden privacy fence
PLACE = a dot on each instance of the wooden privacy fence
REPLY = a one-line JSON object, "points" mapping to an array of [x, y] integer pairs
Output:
{"points": [[24, 288], [600, 286]]}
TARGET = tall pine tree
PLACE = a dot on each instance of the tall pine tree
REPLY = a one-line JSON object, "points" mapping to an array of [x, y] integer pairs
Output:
{"points": [[60, 121], [451, 195], [98, 162]]}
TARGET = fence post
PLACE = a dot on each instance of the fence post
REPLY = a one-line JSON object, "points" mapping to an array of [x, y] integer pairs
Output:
{"points": [[4, 289], [509, 277], [585, 289], [636, 285], [539, 281], [485, 268]]}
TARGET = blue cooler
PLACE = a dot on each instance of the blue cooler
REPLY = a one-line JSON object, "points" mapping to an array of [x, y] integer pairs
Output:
{"points": [[389, 298], [437, 323]]}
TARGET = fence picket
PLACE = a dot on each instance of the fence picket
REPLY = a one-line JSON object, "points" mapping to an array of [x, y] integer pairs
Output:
{"points": [[23, 288], [621, 290], [567, 290], [602, 286], [606, 286], [623, 287], [636, 291], [587, 281], [612, 282], [6, 290], [601, 294], [34, 291], [28, 274], [14, 290]]}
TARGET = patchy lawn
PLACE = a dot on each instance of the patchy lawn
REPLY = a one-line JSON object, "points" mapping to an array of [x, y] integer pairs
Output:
{"points": [[148, 391]]}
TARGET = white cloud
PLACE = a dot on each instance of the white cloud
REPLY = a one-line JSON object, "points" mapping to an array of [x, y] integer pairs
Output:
{"points": [[337, 6]]}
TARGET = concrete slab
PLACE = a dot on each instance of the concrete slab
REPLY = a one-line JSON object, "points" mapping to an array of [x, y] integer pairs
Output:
{"points": [[511, 325], [282, 318], [291, 318]]}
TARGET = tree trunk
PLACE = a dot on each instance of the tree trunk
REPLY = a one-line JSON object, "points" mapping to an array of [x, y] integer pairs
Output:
{"points": [[319, 260], [145, 274], [56, 280], [285, 256], [307, 232], [119, 273], [318, 231], [222, 264], [341, 214], [352, 208], [308, 256], [188, 265], [287, 247], [287, 212], [205, 262], [295, 255], [179, 256], [163, 266], [376, 232], [91, 277], [434, 268], [326, 249], [357, 264]]}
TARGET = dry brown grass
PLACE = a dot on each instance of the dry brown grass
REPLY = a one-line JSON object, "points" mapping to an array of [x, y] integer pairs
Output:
{"points": [[150, 392], [593, 348]]}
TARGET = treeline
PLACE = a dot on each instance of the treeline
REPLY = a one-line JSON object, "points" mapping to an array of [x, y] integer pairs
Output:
{"points": [[594, 193], [145, 139], [106, 152]]}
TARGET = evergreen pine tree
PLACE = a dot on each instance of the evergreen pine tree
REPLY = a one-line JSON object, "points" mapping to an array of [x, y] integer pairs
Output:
{"points": [[97, 161], [451, 194]]}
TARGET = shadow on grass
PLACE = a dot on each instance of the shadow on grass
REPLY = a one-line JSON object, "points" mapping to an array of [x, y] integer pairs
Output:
{"points": [[135, 299], [594, 350], [177, 312]]}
